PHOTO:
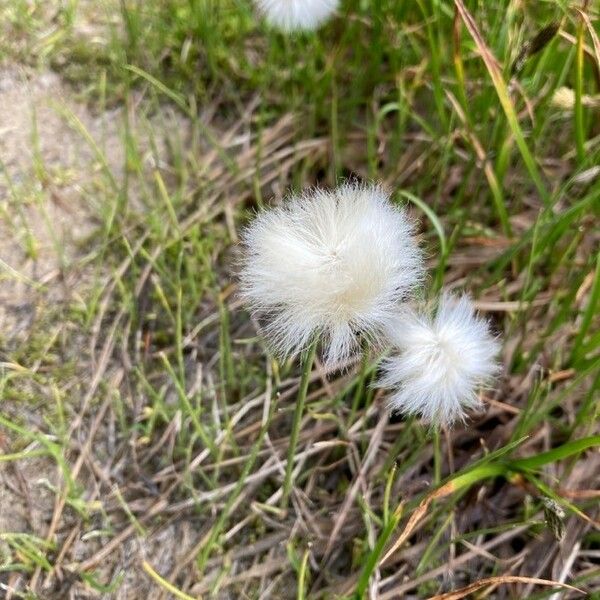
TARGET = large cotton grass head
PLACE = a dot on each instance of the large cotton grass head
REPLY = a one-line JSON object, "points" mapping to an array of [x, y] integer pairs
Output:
{"points": [[331, 265], [441, 362], [296, 15]]}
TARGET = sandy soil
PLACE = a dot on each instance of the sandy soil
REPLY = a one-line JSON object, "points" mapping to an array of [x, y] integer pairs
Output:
{"points": [[46, 166]]}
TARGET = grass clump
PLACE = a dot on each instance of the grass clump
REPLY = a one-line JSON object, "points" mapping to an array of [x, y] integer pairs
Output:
{"points": [[140, 394]]}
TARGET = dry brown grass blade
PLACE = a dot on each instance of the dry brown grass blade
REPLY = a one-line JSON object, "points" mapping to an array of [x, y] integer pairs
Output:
{"points": [[119, 539], [486, 54], [593, 35], [416, 517], [579, 494], [370, 456], [587, 51], [469, 589], [400, 590]]}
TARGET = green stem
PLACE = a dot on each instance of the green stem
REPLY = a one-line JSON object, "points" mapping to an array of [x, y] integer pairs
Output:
{"points": [[360, 385], [437, 457], [579, 122], [307, 363], [372, 559]]}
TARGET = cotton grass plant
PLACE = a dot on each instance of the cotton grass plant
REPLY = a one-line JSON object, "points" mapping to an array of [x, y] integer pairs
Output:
{"points": [[329, 267], [336, 268]]}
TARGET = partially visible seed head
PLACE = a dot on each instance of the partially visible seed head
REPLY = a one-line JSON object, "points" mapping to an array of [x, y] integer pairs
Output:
{"points": [[564, 98], [292, 15]]}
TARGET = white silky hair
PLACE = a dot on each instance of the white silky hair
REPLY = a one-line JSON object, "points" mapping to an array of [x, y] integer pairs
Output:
{"points": [[442, 361], [332, 265], [291, 15]]}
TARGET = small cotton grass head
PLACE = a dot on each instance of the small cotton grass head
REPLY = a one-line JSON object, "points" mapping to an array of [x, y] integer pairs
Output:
{"points": [[331, 265], [296, 15], [442, 361]]}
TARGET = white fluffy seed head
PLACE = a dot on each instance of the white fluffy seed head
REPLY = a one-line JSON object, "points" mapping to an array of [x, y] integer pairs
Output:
{"points": [[294, 15], [331, 265], [442, 361]]}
